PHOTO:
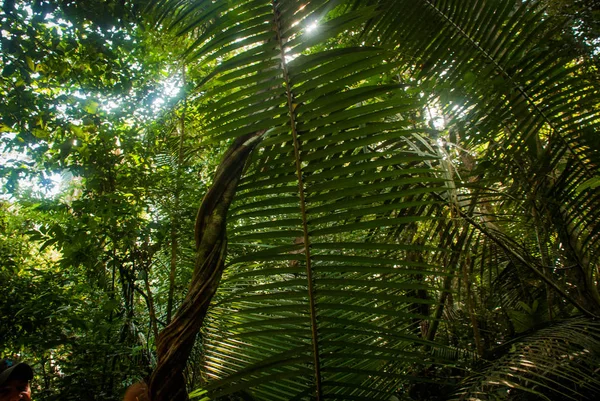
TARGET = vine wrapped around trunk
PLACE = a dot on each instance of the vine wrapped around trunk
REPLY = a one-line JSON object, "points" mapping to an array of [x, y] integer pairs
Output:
{"points": [[175, 341]]}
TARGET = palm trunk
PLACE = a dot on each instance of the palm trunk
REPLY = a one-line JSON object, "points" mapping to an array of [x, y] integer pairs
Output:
{"points": [[471, 309], [446, 288], [150, 301], [174, 219]]}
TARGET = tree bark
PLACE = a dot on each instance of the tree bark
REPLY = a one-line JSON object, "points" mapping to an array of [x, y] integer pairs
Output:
{"points": [[150, 302], [175, 341]]}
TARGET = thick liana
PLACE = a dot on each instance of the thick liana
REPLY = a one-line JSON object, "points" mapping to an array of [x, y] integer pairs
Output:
{"points": [[175, 341]]}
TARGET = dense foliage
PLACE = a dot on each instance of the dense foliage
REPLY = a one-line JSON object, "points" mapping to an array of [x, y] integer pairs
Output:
{"points": [[413, 188]]}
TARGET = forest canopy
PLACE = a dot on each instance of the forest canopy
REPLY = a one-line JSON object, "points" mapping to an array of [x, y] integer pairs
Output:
{"points": [[301, 200]]}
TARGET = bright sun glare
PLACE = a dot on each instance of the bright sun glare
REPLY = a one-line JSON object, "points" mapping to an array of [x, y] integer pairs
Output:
{"points": [[311, 27]]}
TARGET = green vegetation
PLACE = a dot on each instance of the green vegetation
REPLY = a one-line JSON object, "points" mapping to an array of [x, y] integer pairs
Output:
{"points": [[298, 200]]}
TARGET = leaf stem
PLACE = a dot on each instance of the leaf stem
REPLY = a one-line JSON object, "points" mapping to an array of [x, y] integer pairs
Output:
{"points": [[311, 292]]}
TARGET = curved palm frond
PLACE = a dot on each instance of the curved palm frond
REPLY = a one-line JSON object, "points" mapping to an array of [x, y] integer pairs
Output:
{"points": [[556, 362], [493, 68]]}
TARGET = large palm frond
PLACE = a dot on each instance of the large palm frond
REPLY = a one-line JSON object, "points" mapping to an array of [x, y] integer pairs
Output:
{"points": [[333, 261], [556, 362], [324, 298], [494, 69]]}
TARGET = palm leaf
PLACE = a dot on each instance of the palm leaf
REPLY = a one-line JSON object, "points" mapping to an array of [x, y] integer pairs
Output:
{"points": [[315, 180], [462, 47], [490, 65], [333, 265], [556, 362]]}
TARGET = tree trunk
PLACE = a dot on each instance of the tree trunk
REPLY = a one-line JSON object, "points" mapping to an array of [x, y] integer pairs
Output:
{"points": [[175, 341], [174, 214]]}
